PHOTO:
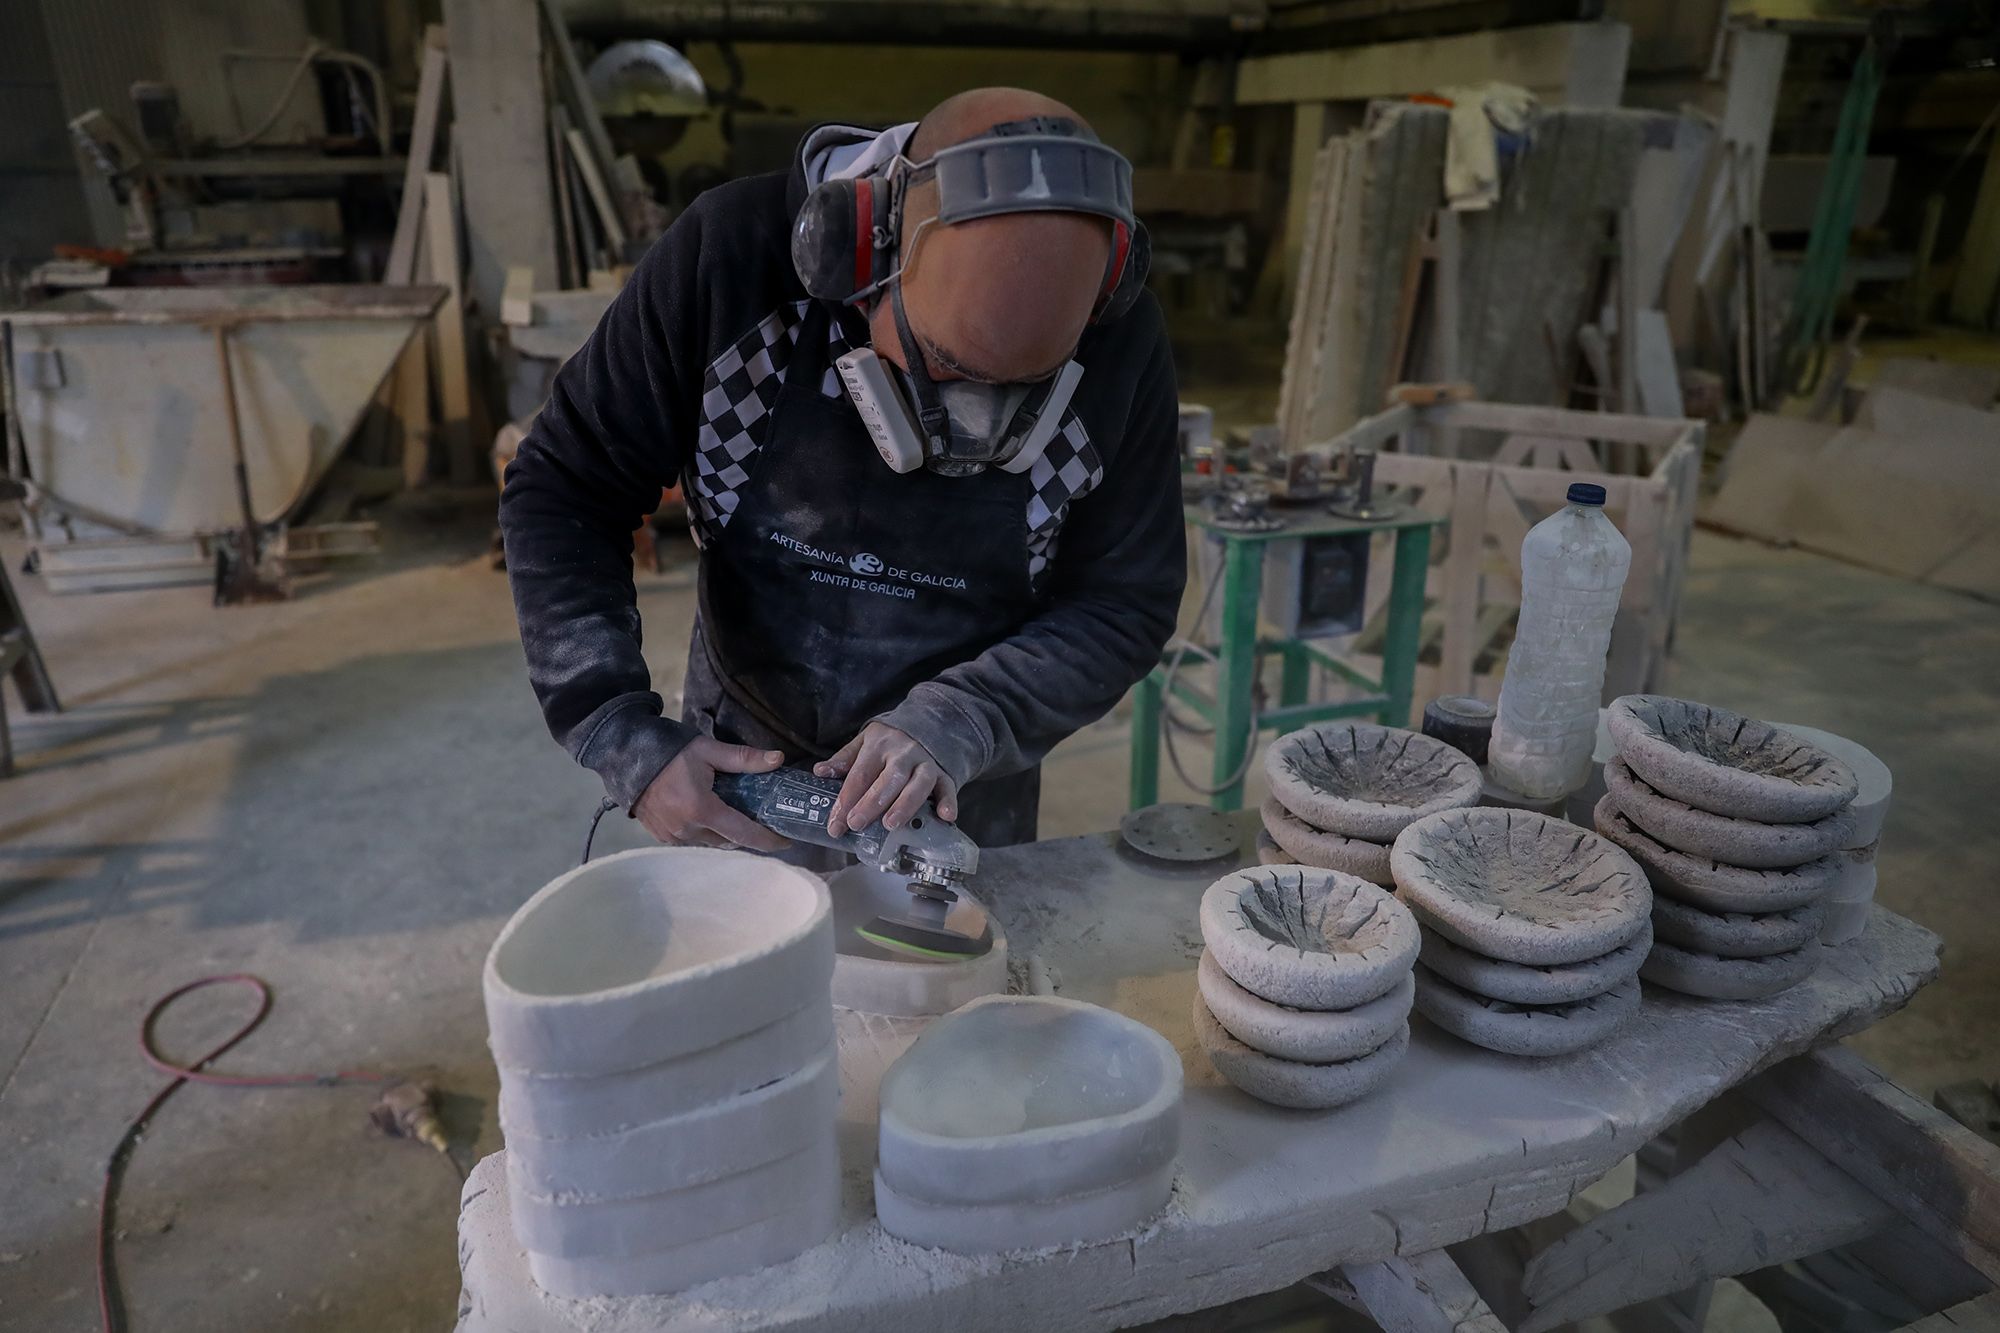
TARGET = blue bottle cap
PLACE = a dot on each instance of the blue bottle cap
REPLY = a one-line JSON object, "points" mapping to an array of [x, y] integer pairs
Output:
{"points": [[1585, 493]]}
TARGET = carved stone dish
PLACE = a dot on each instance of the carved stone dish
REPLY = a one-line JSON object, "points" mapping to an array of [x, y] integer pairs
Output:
{"points": [[1723, 762]]}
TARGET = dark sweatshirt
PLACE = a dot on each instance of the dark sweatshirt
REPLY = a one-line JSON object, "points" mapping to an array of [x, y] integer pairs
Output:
{"points": [[987, 617]]}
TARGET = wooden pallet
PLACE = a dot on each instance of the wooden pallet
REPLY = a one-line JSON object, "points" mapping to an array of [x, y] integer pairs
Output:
{"points": [[1531, 457]]}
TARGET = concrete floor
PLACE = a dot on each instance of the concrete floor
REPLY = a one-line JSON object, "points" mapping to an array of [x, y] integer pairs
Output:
{"points": [[347, 794]]}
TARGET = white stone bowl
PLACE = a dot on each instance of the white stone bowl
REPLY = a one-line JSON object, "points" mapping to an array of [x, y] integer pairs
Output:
{"points": [[873, 980], [988, 1228], [1870, 808], [1308, 938], [810, 1219], [1726, 763], [1020, 1099], [569, 1105], [680, 1151], [1520, 887], [646, 1223], [1364, 781], [651, 954]]}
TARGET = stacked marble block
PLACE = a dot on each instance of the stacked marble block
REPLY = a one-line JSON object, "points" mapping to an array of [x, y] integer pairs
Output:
{"points": [[1342, 791], [1534, 930], [1021, 1122], [668, 1079], [1853, 890], [1304, 986], [1739, 825]]}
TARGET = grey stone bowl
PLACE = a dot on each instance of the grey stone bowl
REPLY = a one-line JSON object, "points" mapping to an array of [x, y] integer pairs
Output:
{"points": [[1750, 843], [1522, 983], [1301, 844], [1294, 1084], [1308, 938], [1368, 782], [1519, 886], [1524, 1029], [1726, 763], [1711, 884]]}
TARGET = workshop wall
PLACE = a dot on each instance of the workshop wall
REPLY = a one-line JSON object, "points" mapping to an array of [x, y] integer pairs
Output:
{"points": [[785, 86]]}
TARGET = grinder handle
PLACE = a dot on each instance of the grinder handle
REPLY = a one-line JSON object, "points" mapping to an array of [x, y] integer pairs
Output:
{"points": [[794, 803]]}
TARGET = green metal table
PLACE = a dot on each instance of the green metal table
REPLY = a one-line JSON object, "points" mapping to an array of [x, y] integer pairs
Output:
{"points": [[1241, 653]]}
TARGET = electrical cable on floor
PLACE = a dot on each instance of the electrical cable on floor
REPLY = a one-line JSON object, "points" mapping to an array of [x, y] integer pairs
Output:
{"points": [[405, 1109], [1169, 724]]}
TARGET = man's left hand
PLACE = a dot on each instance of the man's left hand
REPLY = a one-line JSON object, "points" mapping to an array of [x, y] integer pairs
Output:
{"points": [[888, 776]]}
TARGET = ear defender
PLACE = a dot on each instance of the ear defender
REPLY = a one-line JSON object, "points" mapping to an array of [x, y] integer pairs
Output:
{"points": [[1124, 272], [834, 241]]}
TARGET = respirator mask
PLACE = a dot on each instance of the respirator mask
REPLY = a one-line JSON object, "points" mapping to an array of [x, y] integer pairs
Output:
{"points": [[956, 428]]}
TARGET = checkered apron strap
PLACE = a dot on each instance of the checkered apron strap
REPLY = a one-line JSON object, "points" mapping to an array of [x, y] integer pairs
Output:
{"points": [[738, 392], [1069, 470]]}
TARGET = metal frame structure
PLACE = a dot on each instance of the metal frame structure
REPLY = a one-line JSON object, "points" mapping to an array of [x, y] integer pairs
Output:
{"points": [[1240, 653]]}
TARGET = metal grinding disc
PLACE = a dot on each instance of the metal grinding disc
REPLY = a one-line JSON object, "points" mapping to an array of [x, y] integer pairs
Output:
{"points": [[1180, 831]]}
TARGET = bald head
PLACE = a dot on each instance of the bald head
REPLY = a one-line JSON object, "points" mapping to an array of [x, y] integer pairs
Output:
{"points": [[1001, 299]]}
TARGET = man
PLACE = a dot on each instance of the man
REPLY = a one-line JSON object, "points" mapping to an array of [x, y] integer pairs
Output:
{"points": [[920, 568]]}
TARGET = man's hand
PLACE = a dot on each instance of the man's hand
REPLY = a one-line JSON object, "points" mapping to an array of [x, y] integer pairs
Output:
{"points": [[681, 808], [888, 777]]}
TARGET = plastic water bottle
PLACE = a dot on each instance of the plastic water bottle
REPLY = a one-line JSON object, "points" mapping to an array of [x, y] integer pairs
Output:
{"points": [[1573, 567]]}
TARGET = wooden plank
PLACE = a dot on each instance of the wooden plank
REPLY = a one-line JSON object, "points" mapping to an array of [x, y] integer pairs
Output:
{"points": [[600, 196], [1974, 289], [1421, 1293], [1463, 563], [1762, 1197], [575, 89], [402, 265], [453, 375], [1309, 130], [1445, 334], [1933, 1170], [1622, 455], [1372, 432], [517, 299], [1981, 1314], [411, 401], [499, 121], [1650, 432], [1551, 59], [1308, 294]]}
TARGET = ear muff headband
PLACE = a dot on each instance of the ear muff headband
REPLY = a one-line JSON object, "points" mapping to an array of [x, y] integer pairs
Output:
{"points": [[864, 239], [844, 243]]}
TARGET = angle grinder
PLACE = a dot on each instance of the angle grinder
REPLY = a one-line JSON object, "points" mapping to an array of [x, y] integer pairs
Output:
{"points": [[794, 803]]}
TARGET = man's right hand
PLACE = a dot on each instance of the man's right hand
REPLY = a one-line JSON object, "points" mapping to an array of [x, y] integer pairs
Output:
{"points": [[681, 808]]}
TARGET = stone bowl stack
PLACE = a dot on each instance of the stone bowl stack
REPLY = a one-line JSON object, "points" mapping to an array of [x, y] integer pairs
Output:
{"points": [[1738, 825], [668, 1080], [1342, 791], [1304, 987], [1533, 929]]}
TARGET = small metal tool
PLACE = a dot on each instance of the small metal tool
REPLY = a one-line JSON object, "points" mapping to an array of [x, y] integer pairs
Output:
{"points": [[1358, 500], [937, 857]]}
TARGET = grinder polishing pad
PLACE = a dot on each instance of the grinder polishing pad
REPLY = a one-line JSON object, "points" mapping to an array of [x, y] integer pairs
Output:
{"points": [[920, 932]]}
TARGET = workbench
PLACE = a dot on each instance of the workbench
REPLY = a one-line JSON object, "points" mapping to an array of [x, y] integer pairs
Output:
{"points": [[1460, 1141]]}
